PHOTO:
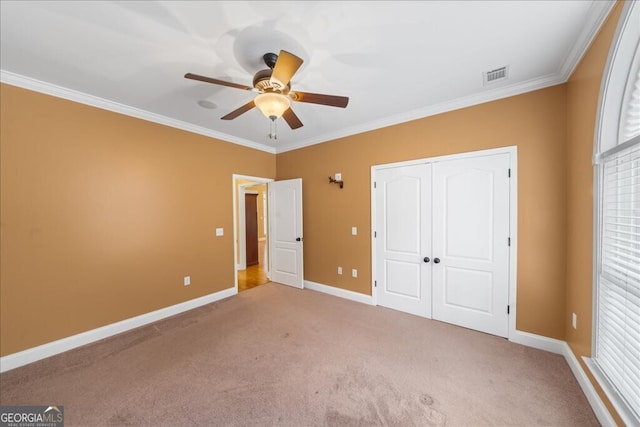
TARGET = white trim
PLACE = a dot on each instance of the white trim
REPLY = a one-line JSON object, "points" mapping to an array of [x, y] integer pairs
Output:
{"points": [[602, 413], [240, 214], [609, 390], [614, 79], [242, 222], [513, 217], [338, 292], [476, 99], [94, 101], [619, 65], [598, 13], [469, 154], [372, 212], [596, 17], [517, 337], [34, 354], [104, 104], [432, 110], [513, 231], [239, 256], [562, 348], [40, 352], [537, 341]]}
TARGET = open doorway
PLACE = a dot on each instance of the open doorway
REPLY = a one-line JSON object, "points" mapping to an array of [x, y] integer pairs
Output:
{"points": [[251, 231]]}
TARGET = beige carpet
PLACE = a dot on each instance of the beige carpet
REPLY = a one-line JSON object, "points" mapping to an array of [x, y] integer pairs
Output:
{"points": [[278, 356]]}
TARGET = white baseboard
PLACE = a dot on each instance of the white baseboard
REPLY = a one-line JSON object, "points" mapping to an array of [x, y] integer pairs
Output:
{"points": [[562, 348], [342, 293], [520, 337], [537, 341], [34, 354], [601, 411]]}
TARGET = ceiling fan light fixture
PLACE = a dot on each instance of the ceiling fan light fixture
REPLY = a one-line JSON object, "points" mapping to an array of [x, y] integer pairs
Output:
{"points": [[273, 105]]}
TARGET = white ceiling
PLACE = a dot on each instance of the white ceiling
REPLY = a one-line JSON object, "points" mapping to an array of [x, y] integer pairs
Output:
{"points": [[395, 60]]}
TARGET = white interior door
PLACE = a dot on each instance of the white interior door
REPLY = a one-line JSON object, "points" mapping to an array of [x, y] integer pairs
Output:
{"points": [[470, 240], [402, 225], [285, 236]]}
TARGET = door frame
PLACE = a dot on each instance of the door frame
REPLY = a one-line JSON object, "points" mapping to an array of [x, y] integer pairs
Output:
{"points": [[239, 221], [513, 218]]}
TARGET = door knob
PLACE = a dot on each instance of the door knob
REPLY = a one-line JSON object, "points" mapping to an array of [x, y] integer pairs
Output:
{"points": [[436, 260], [426, 259], [298, 239]]}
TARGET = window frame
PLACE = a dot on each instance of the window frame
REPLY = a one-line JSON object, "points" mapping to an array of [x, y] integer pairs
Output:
{"points": [[622, 63]]}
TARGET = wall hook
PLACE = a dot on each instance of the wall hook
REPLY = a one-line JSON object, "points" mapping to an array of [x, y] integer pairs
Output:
{"points": [[333, 181]]}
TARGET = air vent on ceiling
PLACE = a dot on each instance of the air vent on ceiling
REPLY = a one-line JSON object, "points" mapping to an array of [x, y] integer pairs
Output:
{"points": [[496, 75]]}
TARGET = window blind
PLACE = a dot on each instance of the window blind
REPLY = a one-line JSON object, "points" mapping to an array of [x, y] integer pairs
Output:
{"points": [[630, 120], [618, 330]]}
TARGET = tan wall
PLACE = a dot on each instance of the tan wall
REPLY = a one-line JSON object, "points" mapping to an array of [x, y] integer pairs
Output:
{"points": [[583, 91], [102, 215], [535, 122]]}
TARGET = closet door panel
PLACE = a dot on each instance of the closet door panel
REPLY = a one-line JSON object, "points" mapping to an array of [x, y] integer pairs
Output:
{"points": [[403, 239], [470, 239]]}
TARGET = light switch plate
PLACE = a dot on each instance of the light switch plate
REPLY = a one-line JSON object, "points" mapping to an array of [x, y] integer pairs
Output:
{"points": [[354, 231], [219, 231], [338, 176], [187, 280]]}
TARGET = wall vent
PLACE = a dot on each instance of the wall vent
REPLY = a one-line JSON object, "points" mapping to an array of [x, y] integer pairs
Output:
{"points": [[496, 75]]}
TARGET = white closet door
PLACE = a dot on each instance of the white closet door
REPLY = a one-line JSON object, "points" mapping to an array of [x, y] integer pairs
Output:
{"points": [[470, 241], [403, 221]]}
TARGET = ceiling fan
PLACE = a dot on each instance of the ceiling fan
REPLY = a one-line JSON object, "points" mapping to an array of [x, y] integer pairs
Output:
{"points": [[274, 88]]}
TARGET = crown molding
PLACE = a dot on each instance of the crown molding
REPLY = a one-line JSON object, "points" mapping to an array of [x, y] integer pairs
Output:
{"points": [[598, 14], [432, 110], [104, 104]]}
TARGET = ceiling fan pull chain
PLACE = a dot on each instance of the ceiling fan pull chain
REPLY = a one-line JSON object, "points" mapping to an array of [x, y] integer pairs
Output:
{"points": [[273, 129]]}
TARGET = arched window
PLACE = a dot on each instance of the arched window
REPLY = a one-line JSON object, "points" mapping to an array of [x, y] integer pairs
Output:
{"points": [[616, 347]]}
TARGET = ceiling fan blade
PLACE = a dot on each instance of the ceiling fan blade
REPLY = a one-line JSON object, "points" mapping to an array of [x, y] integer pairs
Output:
{"points": [[286, 66], [215, 81], [235, 113], [317, 98], [292, 120]]}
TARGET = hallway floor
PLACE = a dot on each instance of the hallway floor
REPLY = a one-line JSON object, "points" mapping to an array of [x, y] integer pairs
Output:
{"points": [[254, 275]]}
